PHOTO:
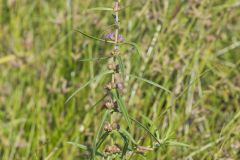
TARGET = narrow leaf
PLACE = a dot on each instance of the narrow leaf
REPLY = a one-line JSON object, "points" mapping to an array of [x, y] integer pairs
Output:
{"points": [[122, 107], [87, 83], [123, 131], [106, 114], [101, 140], [145, 128], [83, 147], [95, 38], [135, 46], [151, 82], [125, 148], [100, 100]]}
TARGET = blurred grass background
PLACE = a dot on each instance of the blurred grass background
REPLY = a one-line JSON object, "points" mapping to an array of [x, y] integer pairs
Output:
{"points": [[196, 56]]}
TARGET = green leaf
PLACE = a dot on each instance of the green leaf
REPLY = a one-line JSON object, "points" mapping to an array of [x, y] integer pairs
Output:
{"points": [[151, 82], [95, 38], [122, 107], [135, 46], [87, 83], [148, 120], [106, 114], [127, 134], [125, 147], [83, 147], [145, 128], [100, 100], [101, 140]]}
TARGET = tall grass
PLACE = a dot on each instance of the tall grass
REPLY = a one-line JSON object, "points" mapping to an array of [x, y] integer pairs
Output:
{"points": [[181, 79]]}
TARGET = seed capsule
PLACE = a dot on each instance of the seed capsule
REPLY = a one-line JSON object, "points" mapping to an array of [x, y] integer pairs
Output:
{"points": [[119, 81], [108, 127], [115, 126], [112, 66], [110, 86], [115, 51], [112, 149], [109, 105]]}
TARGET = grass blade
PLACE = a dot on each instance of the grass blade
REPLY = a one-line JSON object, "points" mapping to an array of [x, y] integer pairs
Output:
{"points": [[127, 134], [145, 128], [100, 100], [126, 144], [83, 147], [135, 46], [103, 137], [151, 82], [86, 84]]}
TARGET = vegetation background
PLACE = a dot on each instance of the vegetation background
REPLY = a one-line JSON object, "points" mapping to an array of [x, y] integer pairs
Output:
{"points": [[196, 57]]}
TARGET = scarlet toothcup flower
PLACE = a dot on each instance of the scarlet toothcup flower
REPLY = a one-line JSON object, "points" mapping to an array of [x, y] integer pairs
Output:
{"points": [[111, 36]]}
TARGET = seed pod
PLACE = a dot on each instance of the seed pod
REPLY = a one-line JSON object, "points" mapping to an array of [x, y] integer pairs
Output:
{"points": [[112, 66], [115, 126], [109, 105], [115, 51], [120, 86], [112, 149], [110, 86], [108, 127], [115, 106], [119, 81]]}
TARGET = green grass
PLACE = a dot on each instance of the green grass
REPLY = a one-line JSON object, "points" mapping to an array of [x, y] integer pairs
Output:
{"points": [[195, 56]]}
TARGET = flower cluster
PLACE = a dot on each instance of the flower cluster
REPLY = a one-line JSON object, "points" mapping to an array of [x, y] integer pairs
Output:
{"points": [[111, 37]]}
